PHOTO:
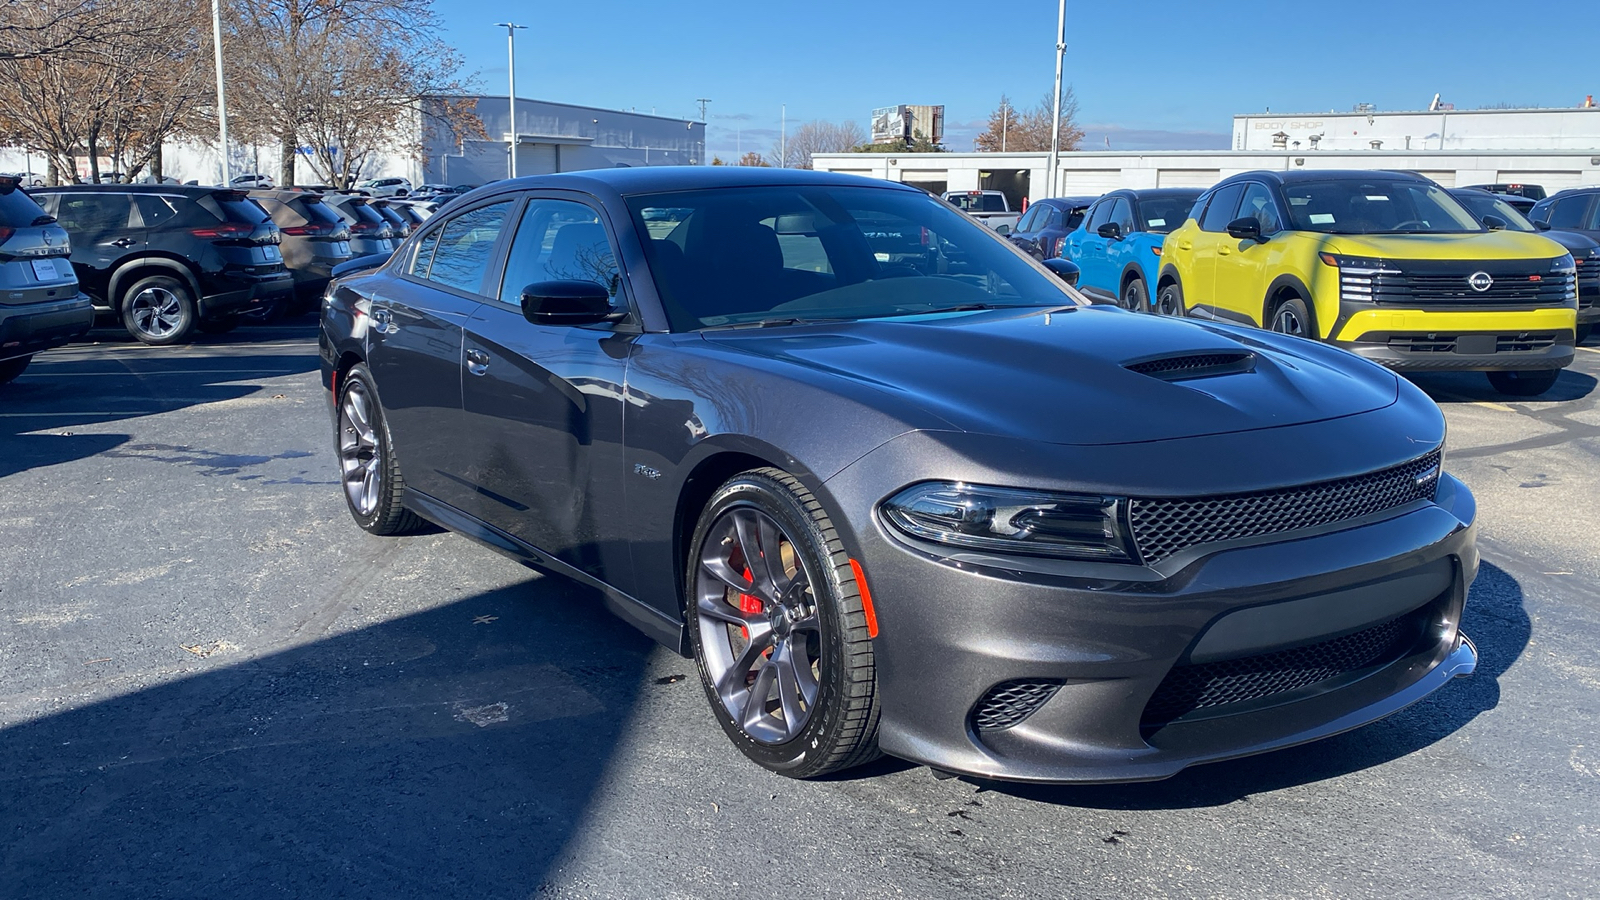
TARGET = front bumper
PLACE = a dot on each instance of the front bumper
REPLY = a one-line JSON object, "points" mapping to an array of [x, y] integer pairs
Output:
{"points": [[1472, 341], [957, 633], [29, 329]]}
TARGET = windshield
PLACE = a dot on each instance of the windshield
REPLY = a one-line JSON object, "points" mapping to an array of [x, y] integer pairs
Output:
{"points": [[1482, 204], [979, 202], [728, 256], [1160, 215], [1376, 206]]}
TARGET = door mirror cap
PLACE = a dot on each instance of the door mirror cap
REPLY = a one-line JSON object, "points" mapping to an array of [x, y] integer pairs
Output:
{"points": [[1542, 226], [1245, 229], [1065, 269], [568, 303], [1494, 223], [1110, 231]]}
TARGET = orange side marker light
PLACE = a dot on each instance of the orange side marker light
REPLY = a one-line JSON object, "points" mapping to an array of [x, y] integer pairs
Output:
{"points": [[866, 599]]}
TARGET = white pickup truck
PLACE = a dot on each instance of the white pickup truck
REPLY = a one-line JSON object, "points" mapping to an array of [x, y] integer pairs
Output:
{"points": [[988, 207]]}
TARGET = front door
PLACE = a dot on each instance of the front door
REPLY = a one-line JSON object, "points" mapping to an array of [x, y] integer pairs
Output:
{"points": [[544, 403], [1212, 250], [416, 353]]}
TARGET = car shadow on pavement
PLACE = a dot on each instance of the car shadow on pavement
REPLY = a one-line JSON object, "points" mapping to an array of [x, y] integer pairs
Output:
{"points": [[449, 753], [1472, 387], [1498, 625]]}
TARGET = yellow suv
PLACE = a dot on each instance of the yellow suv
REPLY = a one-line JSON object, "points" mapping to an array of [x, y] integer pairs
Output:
{"points": [[1384, 264]]}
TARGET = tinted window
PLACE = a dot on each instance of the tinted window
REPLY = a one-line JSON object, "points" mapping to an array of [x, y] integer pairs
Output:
{"points": [[17, 209], [1099, 214], [424, 256], [724, 259], [1376, 206], [1075, 217], [316, 211], [1122, 215], [1029, 218], [466, 243], [1162, 214], [558, 240], [154, 210], [1259, 205], [1050, 219], [1219, 212], [94, 214], [1568, 212], [980, 202], [1482, 204], [234, 208]]}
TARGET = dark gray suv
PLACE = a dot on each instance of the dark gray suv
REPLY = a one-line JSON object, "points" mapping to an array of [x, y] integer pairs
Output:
{"points": [[40, 304]]}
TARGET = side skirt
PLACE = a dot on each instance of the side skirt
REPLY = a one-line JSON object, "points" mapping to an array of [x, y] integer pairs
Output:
{"points": [[661, 628]]}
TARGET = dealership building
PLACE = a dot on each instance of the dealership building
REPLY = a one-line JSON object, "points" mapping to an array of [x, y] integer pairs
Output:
{"points": [[1556, 148]]}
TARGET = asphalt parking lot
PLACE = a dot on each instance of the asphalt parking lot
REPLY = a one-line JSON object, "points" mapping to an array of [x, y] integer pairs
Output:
{"points": [[213, 684]]}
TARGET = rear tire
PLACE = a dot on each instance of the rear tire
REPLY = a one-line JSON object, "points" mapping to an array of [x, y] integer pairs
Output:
{"points": [[373, 486], [1135, 297], [1169, 301], [762, 642], [11, 368], [1524, 384], [159, 310]]}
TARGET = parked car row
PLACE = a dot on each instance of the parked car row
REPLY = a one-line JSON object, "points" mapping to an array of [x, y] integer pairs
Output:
{"points": [[1387, 265]]}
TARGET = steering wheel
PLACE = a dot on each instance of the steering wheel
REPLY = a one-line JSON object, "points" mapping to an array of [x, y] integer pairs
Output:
{"points": [[1417, 222]]}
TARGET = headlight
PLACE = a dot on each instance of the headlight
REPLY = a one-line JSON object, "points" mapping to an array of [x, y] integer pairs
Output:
{"points": [[1004, 520], [1359, 263], [1563, 264]]}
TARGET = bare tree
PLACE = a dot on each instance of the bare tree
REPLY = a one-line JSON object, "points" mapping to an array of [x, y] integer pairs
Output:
{"points": [[752, 158], [817, 137], [1029, 131]]}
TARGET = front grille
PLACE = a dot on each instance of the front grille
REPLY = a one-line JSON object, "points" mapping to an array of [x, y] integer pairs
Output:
{"points": [[1009, 702], [1509, 288], [1452, 343], [1162, 527], [1188, 688]]}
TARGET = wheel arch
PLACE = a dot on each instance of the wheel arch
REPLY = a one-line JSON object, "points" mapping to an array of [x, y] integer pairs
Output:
{"points": [[695, 494], [131, 271], [1284, 286]]}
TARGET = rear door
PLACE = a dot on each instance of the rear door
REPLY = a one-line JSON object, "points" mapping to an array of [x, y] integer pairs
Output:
{"points": [[1200, 289], [545, 403], [415, 349], [103, 232]]}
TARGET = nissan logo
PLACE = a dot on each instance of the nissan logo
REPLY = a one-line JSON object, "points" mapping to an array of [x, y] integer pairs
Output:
{"points": [[1480, 281], [49, 239]]}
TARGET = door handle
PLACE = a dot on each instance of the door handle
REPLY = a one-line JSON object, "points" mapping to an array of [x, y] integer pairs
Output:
{"points": [[124, 242], [1224, 251], [477, 362], [1185, 245]]}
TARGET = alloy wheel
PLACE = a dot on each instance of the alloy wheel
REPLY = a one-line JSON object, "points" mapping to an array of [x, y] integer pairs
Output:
{"points": [[360, 458], [156, 311], [1287, 321], [759, 628]]}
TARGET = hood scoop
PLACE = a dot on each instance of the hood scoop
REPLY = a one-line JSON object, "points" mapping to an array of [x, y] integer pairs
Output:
{"points": [[1188, 366]]}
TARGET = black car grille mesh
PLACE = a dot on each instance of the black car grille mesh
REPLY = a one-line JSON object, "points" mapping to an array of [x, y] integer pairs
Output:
{"points": [[1193, 365], [1009, 702], [1521, 288], [1164, 527], [1207, 685]]}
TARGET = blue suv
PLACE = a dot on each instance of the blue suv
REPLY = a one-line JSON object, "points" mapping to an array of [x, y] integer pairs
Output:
{"points": [[1118, 246]]}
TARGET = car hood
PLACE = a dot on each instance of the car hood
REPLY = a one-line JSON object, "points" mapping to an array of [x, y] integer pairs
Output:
{"points": [[1465, 247], [1062, 376]]}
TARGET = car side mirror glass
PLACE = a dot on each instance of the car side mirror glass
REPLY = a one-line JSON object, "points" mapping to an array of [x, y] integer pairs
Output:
{"points": [[1065, 269], [1245, 229], [1110, 231], [1002, 230], [567, 303], [1494, 223]]}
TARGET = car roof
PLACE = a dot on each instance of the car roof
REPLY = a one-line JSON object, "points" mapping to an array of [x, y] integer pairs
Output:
{"points": [[1066, 202], [195, 190], [1301, 176], [660, 179]]}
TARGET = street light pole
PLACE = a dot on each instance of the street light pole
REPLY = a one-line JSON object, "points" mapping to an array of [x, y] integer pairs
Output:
{"points": [[222, 96], [1055, 130], [511, 99], [783, 142]]}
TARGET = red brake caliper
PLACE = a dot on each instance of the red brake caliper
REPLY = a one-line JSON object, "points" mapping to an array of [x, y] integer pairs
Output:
{"points": [[748, 603]]}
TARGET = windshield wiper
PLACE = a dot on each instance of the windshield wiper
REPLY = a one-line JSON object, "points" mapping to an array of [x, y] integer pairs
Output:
{"points": [[768, 323], [977, 307]]}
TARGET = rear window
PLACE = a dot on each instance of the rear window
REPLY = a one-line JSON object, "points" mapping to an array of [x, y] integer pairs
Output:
{"points": [[234, 207], [17, 209], [316, 211], [979, 202], [366, 213]]}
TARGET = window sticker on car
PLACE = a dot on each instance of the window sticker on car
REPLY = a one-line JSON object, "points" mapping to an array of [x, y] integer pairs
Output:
{"points": [[1155, 223], [1378, 197], [1321, 218]]}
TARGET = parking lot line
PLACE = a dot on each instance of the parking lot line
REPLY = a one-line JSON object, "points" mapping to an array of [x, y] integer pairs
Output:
{"points": [[1589, 350], [1486, 404]]}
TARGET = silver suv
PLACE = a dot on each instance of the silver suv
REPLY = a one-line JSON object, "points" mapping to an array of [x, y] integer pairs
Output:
{"points": [[40, 304]]}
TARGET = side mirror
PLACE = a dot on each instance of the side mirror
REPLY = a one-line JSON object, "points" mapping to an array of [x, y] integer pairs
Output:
{"points": [[1245, 229], [1494, 223], [1542, 226], [1002, 230], [1065, 269], [567, 303], [1110, 231]]}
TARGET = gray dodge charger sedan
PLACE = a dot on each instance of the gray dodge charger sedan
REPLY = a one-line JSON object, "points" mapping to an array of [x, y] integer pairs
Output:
{"points": [[896, 487]]}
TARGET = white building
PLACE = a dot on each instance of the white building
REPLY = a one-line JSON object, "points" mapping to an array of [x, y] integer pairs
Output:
{"points": [[1442, 129]]}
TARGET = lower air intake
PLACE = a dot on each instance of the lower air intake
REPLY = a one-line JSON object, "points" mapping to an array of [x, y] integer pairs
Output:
{"points": [[1009, 702]]}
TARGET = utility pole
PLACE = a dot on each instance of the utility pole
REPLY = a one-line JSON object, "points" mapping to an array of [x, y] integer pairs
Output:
{"points": [[702, 101], [1055, 129], [222, 96], [511, 49], [1005, 121]]}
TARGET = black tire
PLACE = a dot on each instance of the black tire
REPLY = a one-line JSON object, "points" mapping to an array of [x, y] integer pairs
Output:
{"points": [[387, 514], [1291, 316], [1584, 331], [11, 368], [1524, 384], [1135, 297], [1169, 301], [840, 729], [219, 325], [159, 310]]}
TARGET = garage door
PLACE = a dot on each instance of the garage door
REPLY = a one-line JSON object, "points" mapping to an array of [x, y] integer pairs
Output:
{"points": [[1188, 178], [536, 159], [1076, 182], [1443, 178], [1550, 181]]}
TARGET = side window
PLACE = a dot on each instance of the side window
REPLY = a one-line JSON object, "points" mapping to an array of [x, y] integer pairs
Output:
{"points": [[1568, 212], [1028, 218], [423, 258], [558, 240], [465, 245], [1122, 215], [1220, 211], [1258, 204], [1099, 214], [92, 216], [1050, 219], [155, 210]]}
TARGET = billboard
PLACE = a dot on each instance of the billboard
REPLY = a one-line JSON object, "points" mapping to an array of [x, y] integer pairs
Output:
{"points": [[901, 123]]}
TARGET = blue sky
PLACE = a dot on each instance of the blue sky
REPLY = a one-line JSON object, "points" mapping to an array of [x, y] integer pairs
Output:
{"points": [[1148, 75]]}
